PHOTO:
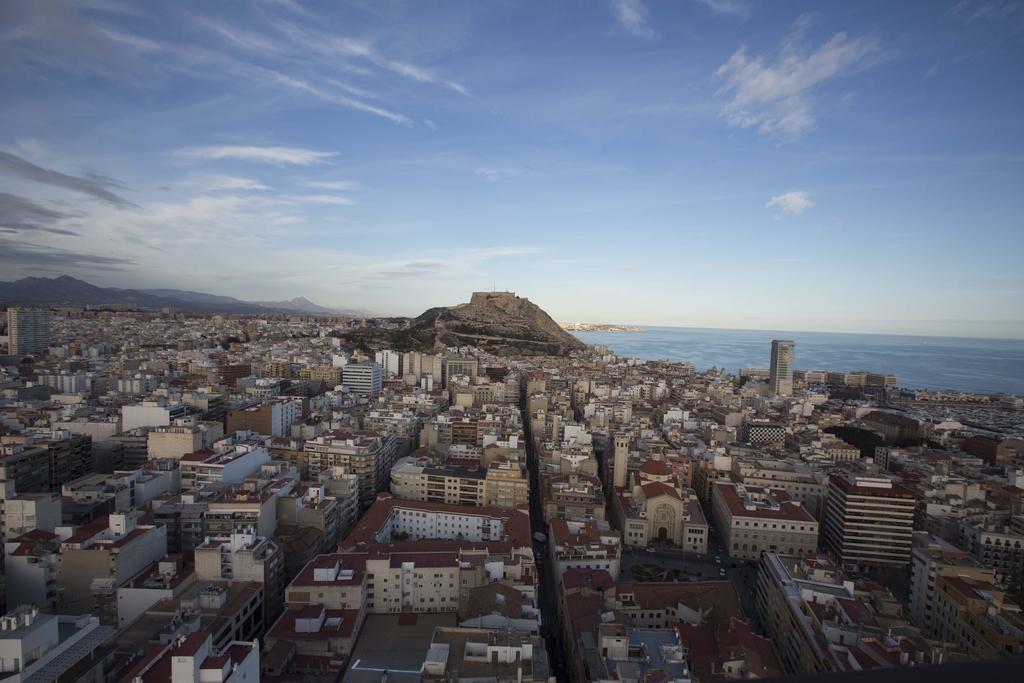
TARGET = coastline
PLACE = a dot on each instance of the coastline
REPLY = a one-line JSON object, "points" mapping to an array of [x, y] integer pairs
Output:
{"points": [[988, 366]]}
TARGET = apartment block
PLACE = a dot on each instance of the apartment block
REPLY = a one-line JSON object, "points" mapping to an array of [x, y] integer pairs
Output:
{"points": [[113, 549], [869, 521], [369, 456], [231, 464], [244, 556], [978, 617], [35, 646], [931, 559], [753, 520], [28, 330], [193, 659], [584, 545], [273, 417], [506, 484], [364, 379], [417, 479]]}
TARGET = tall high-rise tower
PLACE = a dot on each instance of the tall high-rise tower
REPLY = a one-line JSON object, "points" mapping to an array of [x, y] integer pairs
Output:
{"points": [[621, 461], [780, 375], [28, 330]]}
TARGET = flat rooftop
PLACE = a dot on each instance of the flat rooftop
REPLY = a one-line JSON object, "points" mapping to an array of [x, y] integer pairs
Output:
{"points": [[384, 643]]}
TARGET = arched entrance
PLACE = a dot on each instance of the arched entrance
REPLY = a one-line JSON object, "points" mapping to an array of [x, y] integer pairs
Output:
{"points": [[662, 534]]}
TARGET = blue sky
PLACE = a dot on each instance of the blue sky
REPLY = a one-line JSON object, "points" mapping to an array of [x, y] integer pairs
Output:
{"points": [[838, 166]]}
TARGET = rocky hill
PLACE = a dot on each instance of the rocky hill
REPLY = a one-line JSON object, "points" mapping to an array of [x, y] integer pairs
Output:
{"points": [[498, 322]]}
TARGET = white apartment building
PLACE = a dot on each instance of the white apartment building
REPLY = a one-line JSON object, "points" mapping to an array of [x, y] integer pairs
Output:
{"points": [[392, 362], [43, 647], [231, 465], [362, 378], [150, 414]]}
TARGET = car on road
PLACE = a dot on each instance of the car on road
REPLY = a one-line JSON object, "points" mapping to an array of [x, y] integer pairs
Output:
{"points": [[718, 560], [721, 572], [649, 549]]}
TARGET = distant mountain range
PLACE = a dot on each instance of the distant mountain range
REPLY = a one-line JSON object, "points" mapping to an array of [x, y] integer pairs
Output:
{"points": [[71, 291]]}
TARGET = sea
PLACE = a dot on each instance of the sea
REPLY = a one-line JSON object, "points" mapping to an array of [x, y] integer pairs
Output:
{"points": [[990, 366]]}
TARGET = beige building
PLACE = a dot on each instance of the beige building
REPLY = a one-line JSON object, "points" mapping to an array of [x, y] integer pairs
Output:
{"points": [[798, 480], [369, 456], [502, 484], [506, 484], [243, 556], [753, 520], [584, 545], [659, 512], [572, 496], [931, 559], [419, 479], [111, 549], [177, 440], [978, 618]]}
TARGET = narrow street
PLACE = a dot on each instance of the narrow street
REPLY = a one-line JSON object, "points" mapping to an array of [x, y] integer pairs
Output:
{"points": [[547, 590]]}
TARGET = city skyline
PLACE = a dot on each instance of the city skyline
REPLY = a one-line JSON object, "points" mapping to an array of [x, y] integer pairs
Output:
{"points": [[716, 163]]}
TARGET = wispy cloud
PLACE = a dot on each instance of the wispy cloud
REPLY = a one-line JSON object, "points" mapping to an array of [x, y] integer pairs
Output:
{"points": [[18, 214], [219, 183], [239, 37], [775, 96], [329, 199], [28, 254], [90, 185], [995, 10], [633, 16], [291, 6], [272, 155], [341, 46], [739, 8], [793, 203], [336, 185], [269, 75]]}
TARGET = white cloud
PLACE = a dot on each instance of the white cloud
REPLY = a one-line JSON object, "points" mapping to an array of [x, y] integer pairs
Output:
{"points": [[331, 199], [272, 155], [325, 95], [739, 8], [227, 182], [633, 16], [774, 97], [336, 185], [793, 203], [334, 46]]}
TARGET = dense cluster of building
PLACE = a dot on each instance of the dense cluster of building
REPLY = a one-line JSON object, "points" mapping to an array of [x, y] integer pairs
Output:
{"points": [[212, 498]]}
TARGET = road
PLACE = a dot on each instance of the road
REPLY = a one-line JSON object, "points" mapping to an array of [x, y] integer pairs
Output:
{"points": [[547, 591]]}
